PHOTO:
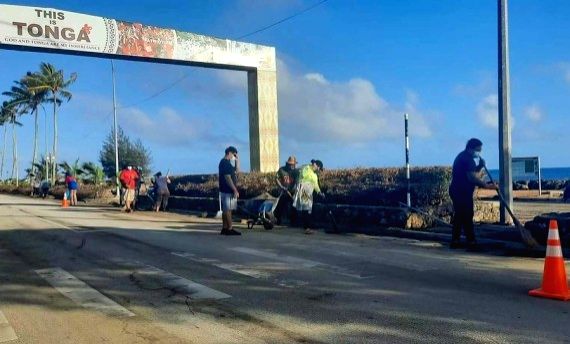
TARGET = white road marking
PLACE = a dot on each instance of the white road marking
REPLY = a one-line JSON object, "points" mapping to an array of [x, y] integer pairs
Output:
{"points": [[300, 262], [305, 263], [237, 268], [7, 333], [193, 290], [245, 270], [81, 293]]}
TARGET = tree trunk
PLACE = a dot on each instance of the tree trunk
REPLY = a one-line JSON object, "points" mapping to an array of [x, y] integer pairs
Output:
{"points": [[35, 149], [3, 152], [54, 167], [15, 170], [47, 167]]}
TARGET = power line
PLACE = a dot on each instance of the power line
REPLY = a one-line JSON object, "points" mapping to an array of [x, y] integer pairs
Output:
{"points": [[283, 20], [176, 82]]}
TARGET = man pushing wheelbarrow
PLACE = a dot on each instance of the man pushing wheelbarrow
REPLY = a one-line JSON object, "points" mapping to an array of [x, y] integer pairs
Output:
{"points": [[286, 179]]}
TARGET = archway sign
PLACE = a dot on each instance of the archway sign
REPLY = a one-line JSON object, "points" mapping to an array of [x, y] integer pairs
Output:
{"points": [[56, 31]]}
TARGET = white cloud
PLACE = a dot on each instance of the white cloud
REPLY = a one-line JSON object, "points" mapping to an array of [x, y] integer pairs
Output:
{"points": [[317, 77], [488, 111], [166, 127], [419, 125], [313, 108], [534, 113], [232, 80]]}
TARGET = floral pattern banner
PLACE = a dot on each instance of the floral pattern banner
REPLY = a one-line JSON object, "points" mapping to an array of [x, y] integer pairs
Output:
{"points": [[52, 29]]}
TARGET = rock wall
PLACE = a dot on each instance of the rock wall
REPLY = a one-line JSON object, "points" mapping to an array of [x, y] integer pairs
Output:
{"points": [[351, 217]]}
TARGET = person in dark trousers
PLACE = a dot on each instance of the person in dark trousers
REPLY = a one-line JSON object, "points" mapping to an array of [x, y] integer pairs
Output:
{"points": [[465, 178], [307, 185], [228, 169], [161, 191], [286, 180]]}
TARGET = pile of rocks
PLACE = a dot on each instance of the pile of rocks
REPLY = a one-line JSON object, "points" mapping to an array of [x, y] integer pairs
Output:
{"points": [[540, 224], [546, 184]]}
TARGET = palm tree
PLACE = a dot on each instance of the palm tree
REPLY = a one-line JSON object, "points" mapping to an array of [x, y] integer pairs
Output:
{"points": [[53, 81], [25, 99], [73, 169], [11, 114], [94, 172], [41, 168], [3, 122]]}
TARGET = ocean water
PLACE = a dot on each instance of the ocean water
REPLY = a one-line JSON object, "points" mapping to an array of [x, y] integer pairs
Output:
{"points": [[550, 173]]}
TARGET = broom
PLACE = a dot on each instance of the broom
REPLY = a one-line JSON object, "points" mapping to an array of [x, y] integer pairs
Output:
{"points": [[525, 234]]}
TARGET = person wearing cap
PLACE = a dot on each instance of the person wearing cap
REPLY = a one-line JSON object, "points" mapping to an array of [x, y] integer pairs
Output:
{"points": [[228, 169], [307, 184], [465, 177], [286, 180]]}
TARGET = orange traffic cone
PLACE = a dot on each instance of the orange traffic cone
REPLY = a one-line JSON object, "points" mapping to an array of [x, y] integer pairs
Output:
{"points": [[65, 201], [554, 282]]}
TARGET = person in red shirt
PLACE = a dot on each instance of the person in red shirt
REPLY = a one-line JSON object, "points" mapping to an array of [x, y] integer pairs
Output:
{"points": [[128, 178]]}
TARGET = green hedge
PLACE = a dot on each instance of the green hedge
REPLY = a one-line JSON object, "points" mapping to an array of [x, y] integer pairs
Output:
{"points": [[361, 186]]}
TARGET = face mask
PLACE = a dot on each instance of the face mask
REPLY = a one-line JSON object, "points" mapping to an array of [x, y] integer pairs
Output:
{"points": [[476, 155], [233, 161]]}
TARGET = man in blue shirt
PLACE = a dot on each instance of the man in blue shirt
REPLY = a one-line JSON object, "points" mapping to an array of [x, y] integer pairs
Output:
{"points": [[465, 177], [227, 174]]}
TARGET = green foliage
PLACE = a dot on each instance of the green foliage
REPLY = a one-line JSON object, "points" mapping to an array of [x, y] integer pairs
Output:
{"points": [[53, 82], [27, 100], [50, 79], [130, 153], [94, 173], [40, 169], [73, 169], [9, 114], [362, 186], [48, 85], [24, 98]]}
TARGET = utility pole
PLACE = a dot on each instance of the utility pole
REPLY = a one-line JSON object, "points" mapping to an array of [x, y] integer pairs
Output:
{"points": [[47, 167], [115, 132], [505, 160], [407, 140]]}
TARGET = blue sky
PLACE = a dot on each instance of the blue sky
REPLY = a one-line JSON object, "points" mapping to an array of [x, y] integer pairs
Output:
{"points": [[370, 61]]}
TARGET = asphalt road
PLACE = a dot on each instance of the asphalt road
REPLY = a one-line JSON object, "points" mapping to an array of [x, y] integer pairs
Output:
{"points": [[95, 275]]}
